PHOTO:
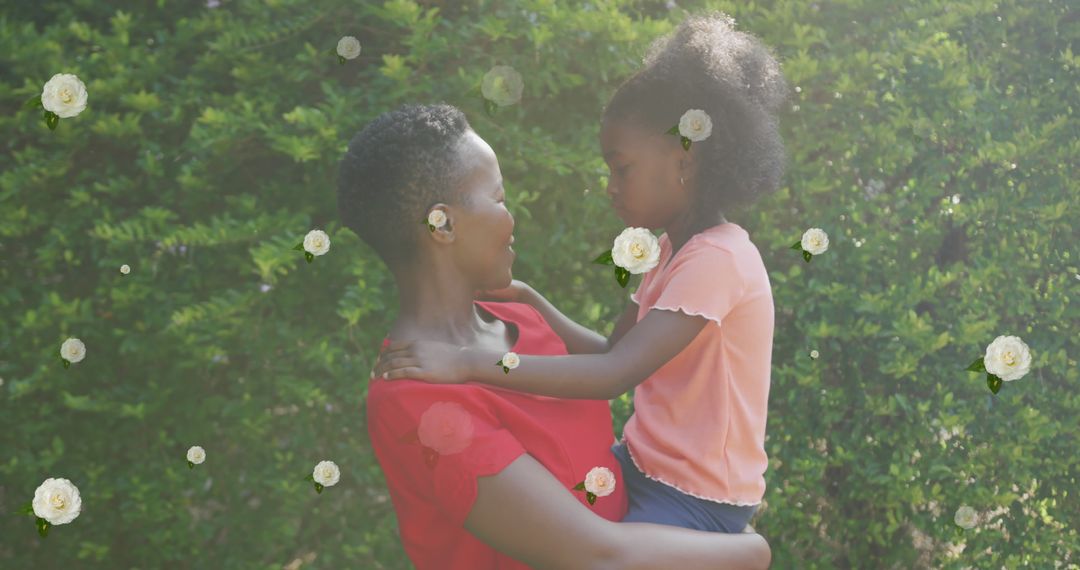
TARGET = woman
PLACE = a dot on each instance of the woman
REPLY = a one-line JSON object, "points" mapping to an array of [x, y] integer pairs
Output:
{"points": [[483, 477]]}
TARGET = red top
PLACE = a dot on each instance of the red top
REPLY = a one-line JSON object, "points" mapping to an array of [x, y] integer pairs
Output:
{"points": [[434, 440]]}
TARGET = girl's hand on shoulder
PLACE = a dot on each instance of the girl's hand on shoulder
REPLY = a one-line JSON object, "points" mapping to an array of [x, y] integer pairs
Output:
{"points": [[430, 361]]}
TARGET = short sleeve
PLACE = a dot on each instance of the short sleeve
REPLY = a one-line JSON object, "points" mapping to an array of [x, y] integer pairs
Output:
{"points": [[434, 441], [704, 280]]}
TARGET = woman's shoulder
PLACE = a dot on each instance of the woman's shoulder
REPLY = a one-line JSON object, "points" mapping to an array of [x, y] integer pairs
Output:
{"points": [[514, 311]]}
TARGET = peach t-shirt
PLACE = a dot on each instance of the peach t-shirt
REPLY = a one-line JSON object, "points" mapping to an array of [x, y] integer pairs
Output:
{"points": [[699, 420]]}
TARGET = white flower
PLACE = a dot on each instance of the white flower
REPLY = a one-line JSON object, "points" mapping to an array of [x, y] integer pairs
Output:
{"points": [[196, 455], [57, 500], [965, 517], [327, 473], [814, 354], [815, 241], [73, 350], [1007, 358], [125, 269], [695, 125], [64, 95], [316, 242], [600, 481], [511, 360], [436, 218], [637, 250], [874, 187], [348, 47], [502, 85], [446, 427]]}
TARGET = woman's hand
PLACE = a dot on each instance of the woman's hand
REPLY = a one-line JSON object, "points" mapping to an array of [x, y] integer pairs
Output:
{"points": [[514, 293], [427, 360]]}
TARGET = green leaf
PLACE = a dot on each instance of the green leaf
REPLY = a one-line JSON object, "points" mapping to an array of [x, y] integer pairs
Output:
{"points": [[806, 256], [34, 103], [341, 59], [506, 370], [977, 366], [51, 120], [591, 497], [580, 486], [674, 130], [605, 258], [43, 527], [309, 256], [318, 488], [622, 276], [993, 382], [490, 107], [685, 143], [797, 245], [299, 246], [190, 465], [67, 363]]}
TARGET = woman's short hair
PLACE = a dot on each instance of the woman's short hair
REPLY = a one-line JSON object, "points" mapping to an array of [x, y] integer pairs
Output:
{"points": [[395, 169]]}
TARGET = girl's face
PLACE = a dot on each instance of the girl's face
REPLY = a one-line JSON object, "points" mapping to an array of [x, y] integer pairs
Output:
{"points": [[482, 228], [644, 176]]}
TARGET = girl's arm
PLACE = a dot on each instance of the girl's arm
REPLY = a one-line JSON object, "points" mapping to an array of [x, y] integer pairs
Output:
{"points": [[525, 513], [646, 347], [577, 338]]}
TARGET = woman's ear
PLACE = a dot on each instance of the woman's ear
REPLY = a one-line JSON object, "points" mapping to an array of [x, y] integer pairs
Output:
{"points": [[444, 231]]}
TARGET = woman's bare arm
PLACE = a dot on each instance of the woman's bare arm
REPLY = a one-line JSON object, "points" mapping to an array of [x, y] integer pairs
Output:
{"points": [[524, 512]]}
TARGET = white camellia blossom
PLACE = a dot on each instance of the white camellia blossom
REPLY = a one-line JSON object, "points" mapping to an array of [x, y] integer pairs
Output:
{"points": [[502, 85], [125, 269], [327, 473], [637, 250], [600, 481], [814, 354], [316, 242], [348, 47], [446, 427], [73, 350], [1008, 358], [65, 95], [695, 125], [511, 360], [966, 517], [437, 218], [815, 240], [196, 454], [57, 500]]}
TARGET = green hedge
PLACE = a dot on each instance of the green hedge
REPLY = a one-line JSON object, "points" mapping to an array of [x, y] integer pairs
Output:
{"points": [[209, 148]]}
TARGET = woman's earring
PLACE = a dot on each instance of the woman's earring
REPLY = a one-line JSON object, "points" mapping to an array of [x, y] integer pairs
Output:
{"points": [[681, 183]]}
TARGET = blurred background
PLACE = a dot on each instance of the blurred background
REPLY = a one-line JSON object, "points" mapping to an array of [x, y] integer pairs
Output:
{"points": [[936, 142]]}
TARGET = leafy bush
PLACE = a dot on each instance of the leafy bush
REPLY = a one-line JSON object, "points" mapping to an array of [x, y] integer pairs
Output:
{"points": [[209, 148]]}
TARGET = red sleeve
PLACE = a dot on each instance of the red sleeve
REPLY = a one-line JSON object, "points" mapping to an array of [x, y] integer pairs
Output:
{"points": [[435, 440]]}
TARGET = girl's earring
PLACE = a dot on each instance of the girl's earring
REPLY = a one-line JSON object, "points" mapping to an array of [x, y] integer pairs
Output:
{"points": [[681, 183]]}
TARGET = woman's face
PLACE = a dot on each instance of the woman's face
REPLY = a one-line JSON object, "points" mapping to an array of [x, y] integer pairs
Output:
{"points": [[644, 175], [483, 227]]}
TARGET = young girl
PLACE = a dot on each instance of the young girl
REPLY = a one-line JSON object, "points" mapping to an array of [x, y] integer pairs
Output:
{"points": [[695, 343]]}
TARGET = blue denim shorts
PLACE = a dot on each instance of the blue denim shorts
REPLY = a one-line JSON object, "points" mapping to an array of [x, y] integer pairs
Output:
{"points": [[655, 502]]}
